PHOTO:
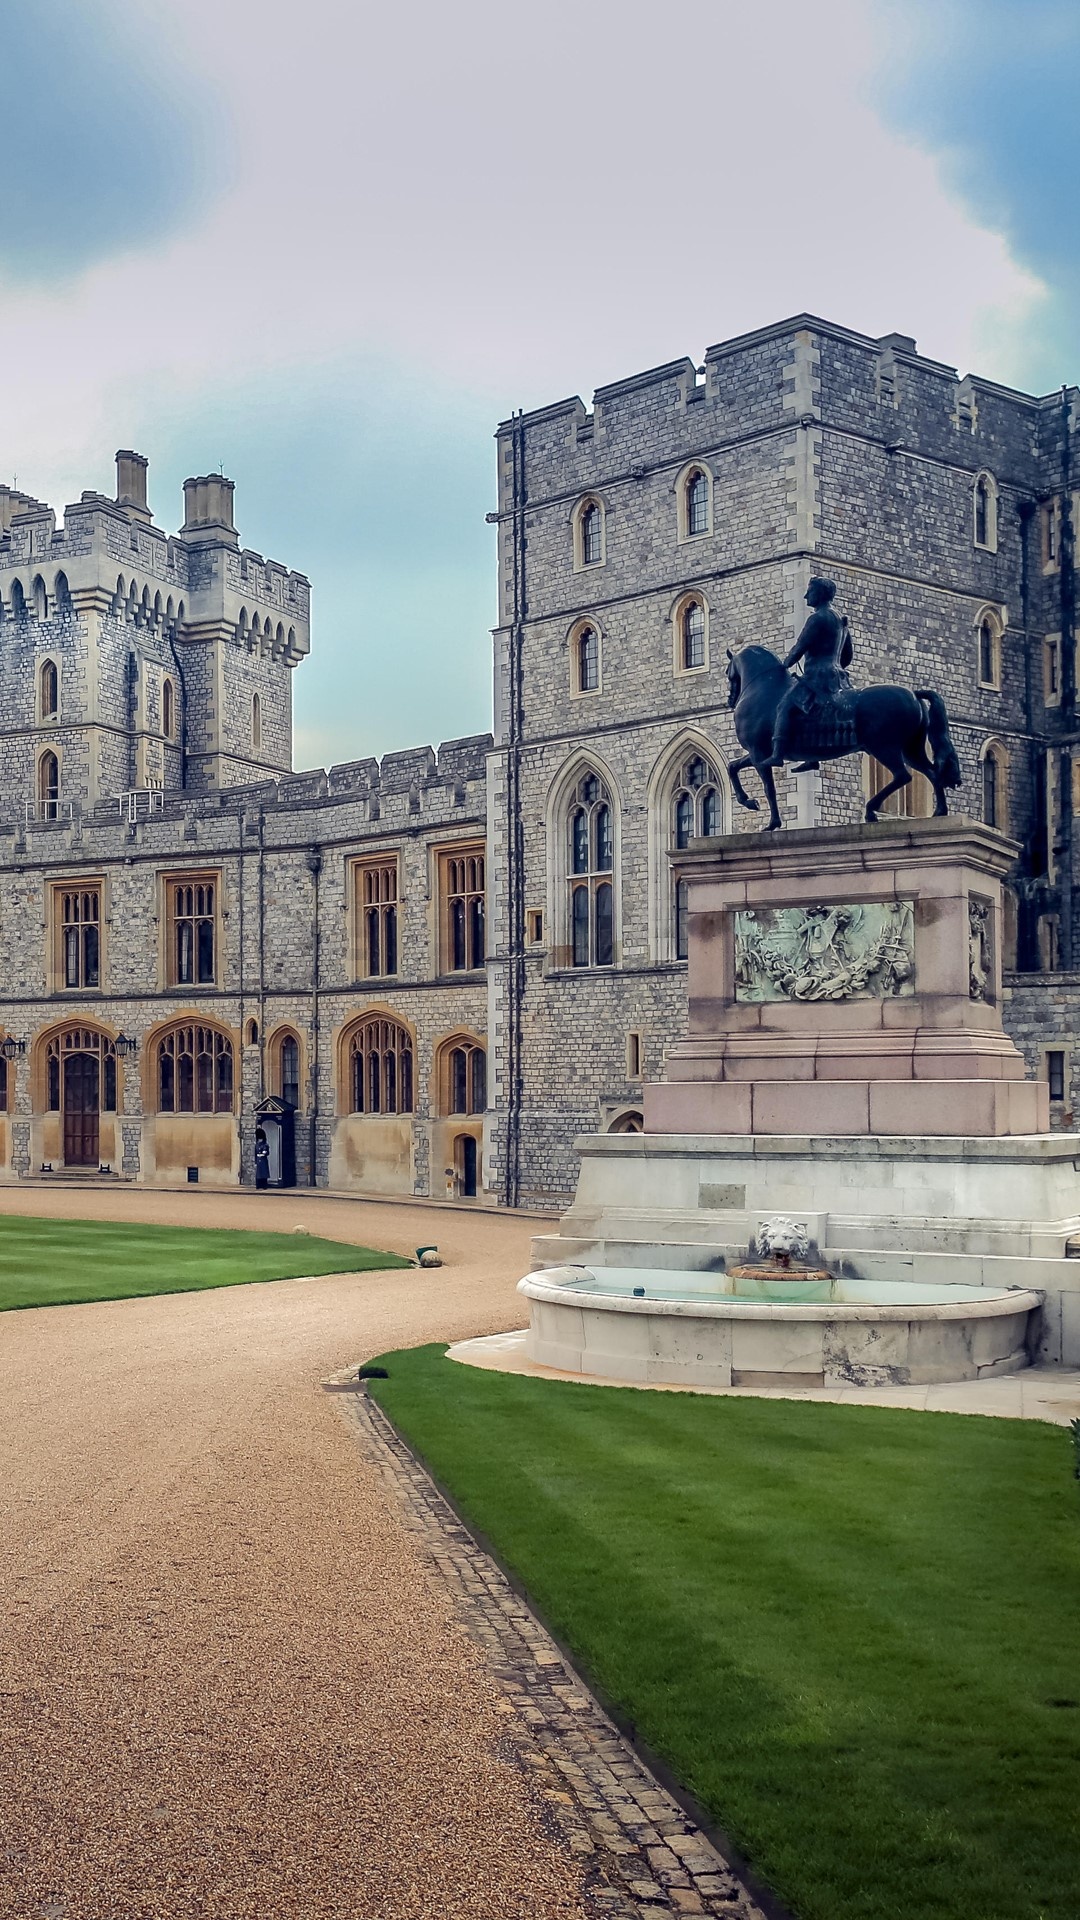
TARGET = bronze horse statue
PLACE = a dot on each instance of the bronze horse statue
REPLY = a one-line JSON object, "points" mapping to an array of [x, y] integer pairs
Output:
{"points": [[892, 723]]}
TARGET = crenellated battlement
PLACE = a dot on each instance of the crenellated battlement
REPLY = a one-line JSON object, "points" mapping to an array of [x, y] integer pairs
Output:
{"points": [[754, 385], [419, 790], [108, 556]]}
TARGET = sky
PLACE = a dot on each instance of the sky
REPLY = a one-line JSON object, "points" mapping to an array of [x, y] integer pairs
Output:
{"points": [[328, 248]]}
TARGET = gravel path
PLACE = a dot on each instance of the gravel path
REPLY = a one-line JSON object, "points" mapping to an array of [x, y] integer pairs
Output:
{"points": [[228, 1686]]}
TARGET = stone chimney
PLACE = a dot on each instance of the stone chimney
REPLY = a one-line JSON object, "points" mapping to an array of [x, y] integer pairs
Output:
{"points": [[11, 503], [208, 508], [131, 484]]}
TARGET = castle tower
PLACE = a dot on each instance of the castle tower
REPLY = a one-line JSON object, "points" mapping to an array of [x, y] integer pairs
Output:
{"points": [[130, 659]]}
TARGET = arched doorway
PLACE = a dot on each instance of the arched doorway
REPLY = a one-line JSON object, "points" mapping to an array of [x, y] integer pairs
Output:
{"points": [[81, 1076], [466, 1157]]}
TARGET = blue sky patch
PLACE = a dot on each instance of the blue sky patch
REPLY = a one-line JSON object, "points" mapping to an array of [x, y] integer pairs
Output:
{"points": [[105, 138]]}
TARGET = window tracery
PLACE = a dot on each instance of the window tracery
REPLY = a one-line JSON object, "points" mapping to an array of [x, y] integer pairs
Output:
{"points": [[380, 1069], [591, 861], [696, 814], [195, 1070]]}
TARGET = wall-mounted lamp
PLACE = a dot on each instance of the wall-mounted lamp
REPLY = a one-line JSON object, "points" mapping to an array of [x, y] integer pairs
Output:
{"points": [[124, 1046], [10, 1047]]}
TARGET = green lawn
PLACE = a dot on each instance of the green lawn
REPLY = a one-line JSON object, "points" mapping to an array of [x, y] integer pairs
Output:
{"points": [[853, 1633], [50, 1263]]}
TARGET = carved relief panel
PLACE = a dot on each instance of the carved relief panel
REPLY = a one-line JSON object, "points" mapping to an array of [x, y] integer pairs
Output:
{"points": [[857, 952]]}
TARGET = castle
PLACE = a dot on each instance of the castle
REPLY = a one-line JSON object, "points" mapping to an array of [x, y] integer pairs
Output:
{"points": [[433, 970]]}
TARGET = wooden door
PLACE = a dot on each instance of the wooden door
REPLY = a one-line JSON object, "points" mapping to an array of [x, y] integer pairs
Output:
{"points": [[81, 1139]]}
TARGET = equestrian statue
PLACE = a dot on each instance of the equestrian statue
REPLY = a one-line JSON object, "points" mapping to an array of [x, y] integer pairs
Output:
{"points": [[817, 714]]}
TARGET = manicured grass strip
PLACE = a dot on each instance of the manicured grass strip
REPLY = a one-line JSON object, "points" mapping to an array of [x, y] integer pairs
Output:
{"points": [[50, 1263], [853, 1633]]}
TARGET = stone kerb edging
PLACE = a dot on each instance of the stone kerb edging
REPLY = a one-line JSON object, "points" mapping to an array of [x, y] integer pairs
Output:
{"points": [[643, 1856]]}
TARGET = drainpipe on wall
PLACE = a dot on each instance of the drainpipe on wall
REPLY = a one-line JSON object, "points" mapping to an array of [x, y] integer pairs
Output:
{"points": [[1034, 860], [314, 863], [515, 836], [262, 954], [1067, 591], [240, 935]]}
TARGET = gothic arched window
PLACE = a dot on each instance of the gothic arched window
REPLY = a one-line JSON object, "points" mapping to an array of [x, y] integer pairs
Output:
{"points": [[697, 503], [984, 512], [587, 648], [994, 786], [48, 690], [463, 1077], [988, 635], [48, 787], [693, 631], [380, 1066], [697, 813], [591, 833], [285, 1066], [290, 1070], [690, 634], [587, 523], [195, 1070]]}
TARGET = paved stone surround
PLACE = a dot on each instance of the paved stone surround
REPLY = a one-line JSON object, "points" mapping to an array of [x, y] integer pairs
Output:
{"points": [[1036, 1393], [643, 1856]]}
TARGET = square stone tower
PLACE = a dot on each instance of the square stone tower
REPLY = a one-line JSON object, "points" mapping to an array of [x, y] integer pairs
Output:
{"points": [[131, 659]]}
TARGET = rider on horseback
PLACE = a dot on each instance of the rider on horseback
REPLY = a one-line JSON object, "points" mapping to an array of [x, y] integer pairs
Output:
{"points": [[819, 714], [811, 717]]}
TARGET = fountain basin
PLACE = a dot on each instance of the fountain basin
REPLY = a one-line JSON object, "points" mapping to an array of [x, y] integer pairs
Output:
{"points": [[692, 1329]]}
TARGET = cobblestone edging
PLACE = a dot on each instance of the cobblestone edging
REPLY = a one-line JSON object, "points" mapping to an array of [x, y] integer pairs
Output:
{"points": [[644, 1858]]}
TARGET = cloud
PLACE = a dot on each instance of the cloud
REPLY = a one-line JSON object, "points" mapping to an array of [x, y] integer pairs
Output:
{"points": [[104, 138], [989, 88], [534, 201], [423, 219]]}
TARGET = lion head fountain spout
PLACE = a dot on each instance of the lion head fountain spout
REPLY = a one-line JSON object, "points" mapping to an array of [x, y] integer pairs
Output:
{"points": [[784, 1239], [780, 1263]]}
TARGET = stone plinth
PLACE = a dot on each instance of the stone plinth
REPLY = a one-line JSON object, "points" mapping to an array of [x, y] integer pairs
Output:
{"points": [[847, 981]]}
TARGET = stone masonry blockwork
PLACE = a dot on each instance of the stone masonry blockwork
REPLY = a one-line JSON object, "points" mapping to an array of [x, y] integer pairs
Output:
{"points": [[823, 452]]}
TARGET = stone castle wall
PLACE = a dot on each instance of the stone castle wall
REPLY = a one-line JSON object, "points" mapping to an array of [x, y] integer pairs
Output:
{"points": [[282, 857], [826, 453]]}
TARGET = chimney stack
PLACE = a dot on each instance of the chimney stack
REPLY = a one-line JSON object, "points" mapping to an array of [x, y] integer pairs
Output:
{"points": [[208, 507], [131, 484], [11, 503]]}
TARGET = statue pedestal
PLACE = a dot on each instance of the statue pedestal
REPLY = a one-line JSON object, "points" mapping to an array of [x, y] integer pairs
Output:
{"points": [[847, 980], [845, 1064]]}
